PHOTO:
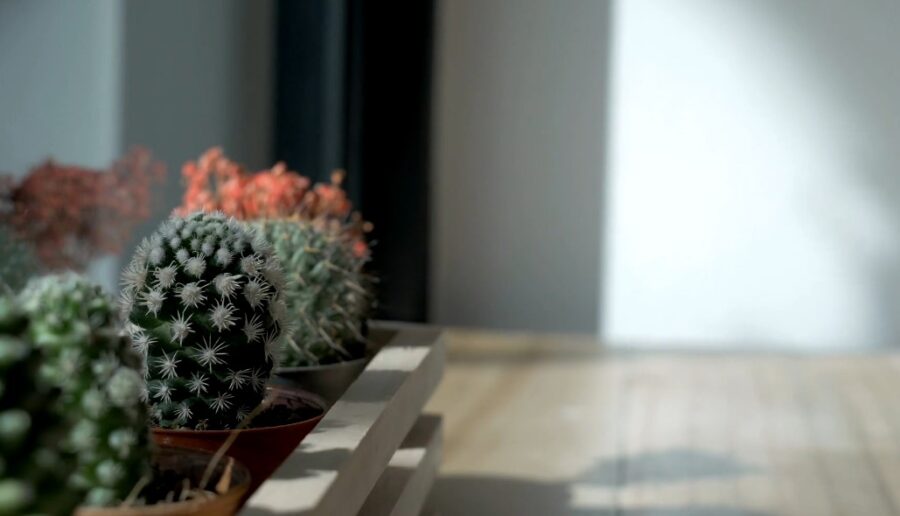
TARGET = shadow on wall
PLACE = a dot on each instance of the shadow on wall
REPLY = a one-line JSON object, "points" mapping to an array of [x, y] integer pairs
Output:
{"points": [[854, 51], [486, 495]]}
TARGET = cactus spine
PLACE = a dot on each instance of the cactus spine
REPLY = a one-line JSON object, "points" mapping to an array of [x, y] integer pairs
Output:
{"points": [[203, 295], [327, 290], [76, 327]]}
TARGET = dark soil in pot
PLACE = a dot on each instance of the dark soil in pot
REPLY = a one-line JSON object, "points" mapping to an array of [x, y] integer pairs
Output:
{"points": [[176, 487], [265, 443]]}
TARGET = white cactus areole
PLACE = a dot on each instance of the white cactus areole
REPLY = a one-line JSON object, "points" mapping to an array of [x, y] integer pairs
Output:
{"points": [[204, 298]]}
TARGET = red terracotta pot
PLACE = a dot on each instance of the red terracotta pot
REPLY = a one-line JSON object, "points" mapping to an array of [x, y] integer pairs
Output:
{"points": [[262, 450]]}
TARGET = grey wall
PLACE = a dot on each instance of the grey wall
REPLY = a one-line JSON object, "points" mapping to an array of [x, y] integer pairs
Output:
{"points": [[518, 158], [83, 81], [198, 74], [59, 82]]}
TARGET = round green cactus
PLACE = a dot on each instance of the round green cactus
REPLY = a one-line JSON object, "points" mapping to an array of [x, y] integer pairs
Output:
{"points": [[34, 470], [326, 290], [75, 326], [204, 298]]}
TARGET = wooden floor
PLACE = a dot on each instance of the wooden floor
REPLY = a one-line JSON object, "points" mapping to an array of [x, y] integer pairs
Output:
{"points": [[556, 426]]}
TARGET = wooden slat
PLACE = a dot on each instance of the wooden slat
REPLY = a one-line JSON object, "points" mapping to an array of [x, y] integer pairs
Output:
{"points": [[336, 466], [405, 484]]}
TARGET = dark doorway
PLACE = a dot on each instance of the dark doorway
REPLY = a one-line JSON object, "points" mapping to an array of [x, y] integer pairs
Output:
{"points": [[353, 91]]}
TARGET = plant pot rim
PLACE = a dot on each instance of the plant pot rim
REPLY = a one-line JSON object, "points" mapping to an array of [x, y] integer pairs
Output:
{"points": [[310, 399], [186, 507], [333, 365], [235, 491]]}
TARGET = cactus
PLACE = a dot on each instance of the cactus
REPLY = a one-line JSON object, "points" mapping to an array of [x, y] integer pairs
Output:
{"points": [[98, 374], [73, 427], [34, 473], [203, 295], [17, 261], [327, 290]]}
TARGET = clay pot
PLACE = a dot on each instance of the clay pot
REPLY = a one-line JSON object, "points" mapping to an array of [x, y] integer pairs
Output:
{"points": [[330, 381], [192, 464], [262, 450]]}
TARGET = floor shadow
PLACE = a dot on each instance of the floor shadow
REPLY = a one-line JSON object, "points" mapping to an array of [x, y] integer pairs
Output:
{"points": [[497, 496], [664, 466], [492, 495], [474, 495]]}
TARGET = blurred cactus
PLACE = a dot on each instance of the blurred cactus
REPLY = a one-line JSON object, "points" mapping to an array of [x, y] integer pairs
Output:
{"points": [[17, 262], [204, 298], [75, 326], [73, 426], [71, 214], [326, 290], [34, 471]]}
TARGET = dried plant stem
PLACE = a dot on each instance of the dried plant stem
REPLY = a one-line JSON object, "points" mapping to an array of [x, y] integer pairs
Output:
{"points": [[136, 491], [232, 436], [225, 480], [185, 489]]}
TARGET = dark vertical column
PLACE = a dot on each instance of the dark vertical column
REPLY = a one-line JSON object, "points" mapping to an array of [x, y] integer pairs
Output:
{"points": [[354, 92], [389, 108], [310, 96]]}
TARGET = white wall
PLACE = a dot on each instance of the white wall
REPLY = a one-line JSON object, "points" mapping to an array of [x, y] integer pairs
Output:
{"points": [[754, 193], [517, 155]]}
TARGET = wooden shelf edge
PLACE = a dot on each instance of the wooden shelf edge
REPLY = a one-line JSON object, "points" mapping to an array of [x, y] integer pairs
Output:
{"points": [[406, 483], [335, 468]]}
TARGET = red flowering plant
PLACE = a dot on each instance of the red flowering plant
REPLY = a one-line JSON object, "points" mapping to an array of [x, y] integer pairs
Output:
{"points": [[70, 214], [216, 183], [317, 237]]}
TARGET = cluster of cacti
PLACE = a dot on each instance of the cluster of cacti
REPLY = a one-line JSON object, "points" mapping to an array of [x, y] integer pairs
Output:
{"points": [[203, 296], [34, 471], [17, 262], [326, 290], [75, 326]]}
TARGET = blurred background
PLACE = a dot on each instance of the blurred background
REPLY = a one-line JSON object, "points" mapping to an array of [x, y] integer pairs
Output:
{"points": [[680, 173]]}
